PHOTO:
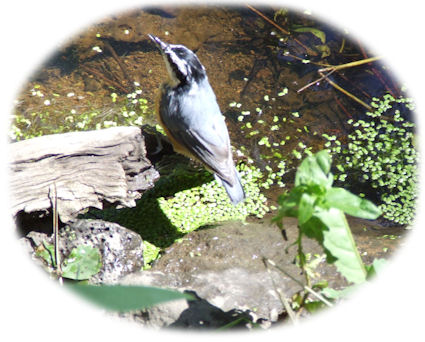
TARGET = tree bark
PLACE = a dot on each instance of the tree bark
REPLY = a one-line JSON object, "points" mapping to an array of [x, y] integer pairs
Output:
{"points": [[83, 169]]}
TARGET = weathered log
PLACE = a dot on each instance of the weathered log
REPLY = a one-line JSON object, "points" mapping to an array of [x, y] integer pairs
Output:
{"points": [[85, 168]]}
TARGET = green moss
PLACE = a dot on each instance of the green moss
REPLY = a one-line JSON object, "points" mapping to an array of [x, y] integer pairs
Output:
{"points": [[183, 200], [150, 253], [208, 203]]}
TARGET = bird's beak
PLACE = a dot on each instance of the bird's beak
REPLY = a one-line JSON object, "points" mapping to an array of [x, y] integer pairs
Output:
{"points": [[158, 42]]}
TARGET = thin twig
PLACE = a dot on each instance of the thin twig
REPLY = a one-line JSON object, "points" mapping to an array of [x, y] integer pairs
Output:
{"points": [[314, 82], [282, 297], [118, 60], [107, 80], [342, 90], [54, 200], [306, 48], [307, 288], [376, 72], [310, 62], [351, 64], [342, 106], [342, 45]]}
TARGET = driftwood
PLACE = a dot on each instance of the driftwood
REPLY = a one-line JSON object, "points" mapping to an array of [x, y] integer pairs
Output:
{"points": [[83, 169]]}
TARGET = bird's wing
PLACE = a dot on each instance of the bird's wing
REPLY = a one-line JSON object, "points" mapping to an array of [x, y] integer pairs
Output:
{"points": [[211, 148], [204, 134]]}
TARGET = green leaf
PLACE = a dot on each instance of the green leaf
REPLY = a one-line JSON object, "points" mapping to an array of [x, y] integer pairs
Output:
{"points": [[331, 293], [47, 253], [377, 266], [288, 203], [351, 204], [314, 306], [82, 263], [305, 210], [314, 229], [324, 160], [318, 33], [340, 243], [315, 170], [127, 298]]}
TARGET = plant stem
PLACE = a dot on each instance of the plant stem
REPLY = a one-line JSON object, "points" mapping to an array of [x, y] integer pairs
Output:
{"points": [[306, 48], [54, 199], [307, 288], [282, 297], [342, 90], [350, 65]]}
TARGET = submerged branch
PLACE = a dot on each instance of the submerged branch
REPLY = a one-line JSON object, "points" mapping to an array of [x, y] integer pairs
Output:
{"points": [[342, 90], [306, 48]]}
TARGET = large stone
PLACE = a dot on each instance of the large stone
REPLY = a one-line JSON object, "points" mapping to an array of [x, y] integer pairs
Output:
{"points": [[121, 249]]}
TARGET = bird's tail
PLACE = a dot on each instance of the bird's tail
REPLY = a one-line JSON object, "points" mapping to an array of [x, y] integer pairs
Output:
{"points": [[235, 191]]}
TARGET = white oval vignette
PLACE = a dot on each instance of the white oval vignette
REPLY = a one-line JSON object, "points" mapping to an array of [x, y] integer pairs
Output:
{"points": [[37, 309]]}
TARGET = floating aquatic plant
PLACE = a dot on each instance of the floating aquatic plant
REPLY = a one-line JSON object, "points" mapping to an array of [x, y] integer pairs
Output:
{"points": [[380, 153]]}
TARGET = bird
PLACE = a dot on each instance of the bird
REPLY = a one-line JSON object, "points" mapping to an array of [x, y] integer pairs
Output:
{"points": [[188, 111]]}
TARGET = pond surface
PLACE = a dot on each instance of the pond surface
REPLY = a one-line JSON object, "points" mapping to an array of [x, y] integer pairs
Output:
{"points": [[255, 69], [266, 78]]}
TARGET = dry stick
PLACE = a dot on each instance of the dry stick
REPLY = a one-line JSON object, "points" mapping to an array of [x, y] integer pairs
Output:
{"points": [[367, 95], [342, 90], [344, 66], [308, 50], [314, 82], [311, 62], [342, 46], [342, 106], [54, 199], [307, 288], [107, 80], [332, 68], [351, 64], [118, 60], [377, 73], [282, 297]]}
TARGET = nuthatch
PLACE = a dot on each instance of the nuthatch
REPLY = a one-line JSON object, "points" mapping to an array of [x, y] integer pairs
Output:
{"points": [[189, 113]]}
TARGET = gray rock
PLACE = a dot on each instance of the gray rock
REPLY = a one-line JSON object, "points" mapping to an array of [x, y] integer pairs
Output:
{"points": [[121, 249], [224, 268]]}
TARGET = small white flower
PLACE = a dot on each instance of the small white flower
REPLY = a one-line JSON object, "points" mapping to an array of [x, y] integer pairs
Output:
{"points": [[47, 102], [109, 124], [71, 94], [138, 121]]}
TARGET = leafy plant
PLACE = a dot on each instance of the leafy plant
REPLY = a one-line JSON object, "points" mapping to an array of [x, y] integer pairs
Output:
{"points": [[319, 208], [126, 298], [82, 263]]}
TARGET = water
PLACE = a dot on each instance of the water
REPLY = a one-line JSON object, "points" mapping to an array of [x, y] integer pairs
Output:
{"points": [[110, 74]]}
